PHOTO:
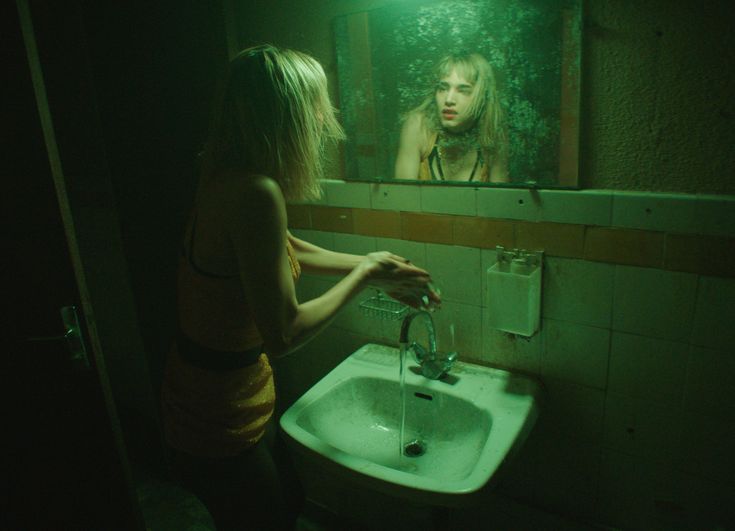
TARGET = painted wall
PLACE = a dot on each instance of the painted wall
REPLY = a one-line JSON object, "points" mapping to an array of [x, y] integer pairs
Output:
{"points": [[657, 110]]}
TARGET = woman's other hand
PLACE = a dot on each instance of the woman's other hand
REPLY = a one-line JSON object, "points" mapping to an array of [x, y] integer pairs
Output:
{"points": [[400, 279]]}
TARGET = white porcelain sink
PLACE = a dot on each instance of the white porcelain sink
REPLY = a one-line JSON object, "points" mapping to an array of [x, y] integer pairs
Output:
{"points": [[469, 423]]}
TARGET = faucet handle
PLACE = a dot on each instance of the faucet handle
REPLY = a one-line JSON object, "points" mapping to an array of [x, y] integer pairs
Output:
{"points": [[419, 353], [449, 361]]}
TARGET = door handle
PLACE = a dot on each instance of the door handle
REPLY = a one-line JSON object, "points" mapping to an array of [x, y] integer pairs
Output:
{"points": [[73, 337]]}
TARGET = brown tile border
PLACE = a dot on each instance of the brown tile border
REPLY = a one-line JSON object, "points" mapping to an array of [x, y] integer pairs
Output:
{"points": [[332, 219], [624, 246], [299, 216], [482, 232], [556, 239], [705, 255], [380, 223], [428, 228]]}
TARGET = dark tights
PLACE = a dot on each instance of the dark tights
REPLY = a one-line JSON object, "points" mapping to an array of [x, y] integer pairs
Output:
{"points": [[256, 489]]}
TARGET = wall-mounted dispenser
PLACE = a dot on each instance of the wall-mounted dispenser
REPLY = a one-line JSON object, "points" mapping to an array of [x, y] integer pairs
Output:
{"points": [[514, 291]]}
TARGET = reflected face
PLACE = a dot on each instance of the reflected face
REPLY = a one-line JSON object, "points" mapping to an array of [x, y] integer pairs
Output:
{"points": [[454, 96]]}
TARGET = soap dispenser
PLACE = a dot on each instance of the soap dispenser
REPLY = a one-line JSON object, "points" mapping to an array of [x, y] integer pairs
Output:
{"points": [[514, 291]]}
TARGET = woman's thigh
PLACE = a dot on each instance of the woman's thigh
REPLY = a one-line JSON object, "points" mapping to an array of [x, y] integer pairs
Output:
{"points": [[241, 492]]}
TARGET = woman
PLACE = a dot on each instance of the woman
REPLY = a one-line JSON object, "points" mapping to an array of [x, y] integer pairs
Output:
{"points": [[457, 133], [236, 300]]}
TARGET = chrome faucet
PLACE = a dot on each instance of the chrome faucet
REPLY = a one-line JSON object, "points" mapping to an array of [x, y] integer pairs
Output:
{"points": [[432, 366]]}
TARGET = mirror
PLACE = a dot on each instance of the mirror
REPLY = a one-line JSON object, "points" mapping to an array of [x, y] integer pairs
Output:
{"points": [[407, 66]]}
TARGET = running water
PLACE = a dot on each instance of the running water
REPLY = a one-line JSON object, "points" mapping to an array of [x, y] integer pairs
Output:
{"points": [[402, 387]]}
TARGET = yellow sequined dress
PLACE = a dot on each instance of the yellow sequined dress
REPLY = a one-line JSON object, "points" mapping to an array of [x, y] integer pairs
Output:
{"points": [[216, 412]]}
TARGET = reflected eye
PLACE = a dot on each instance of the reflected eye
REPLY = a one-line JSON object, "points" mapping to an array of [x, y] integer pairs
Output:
{"points": [[441, 87]]}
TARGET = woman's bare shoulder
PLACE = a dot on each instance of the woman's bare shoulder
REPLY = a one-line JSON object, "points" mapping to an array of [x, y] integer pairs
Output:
{"points": [[414, 121], [416, 132], [255, 192]]}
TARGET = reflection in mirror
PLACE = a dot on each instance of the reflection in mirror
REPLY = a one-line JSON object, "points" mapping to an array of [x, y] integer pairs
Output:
{"points": [[458, 132], [462, 92]]}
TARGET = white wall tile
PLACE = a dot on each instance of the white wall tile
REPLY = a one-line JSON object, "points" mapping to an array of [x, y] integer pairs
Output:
{"points": [[320, 201], [563, 475], [456, 271], [707, 504], [459, 328], [353, 243], [584, 207], [710, 384], [499, 348], [573, 411], [645, 367], [414, 251], [508, 203], [488, 258], [317, 237], [347, 194], [578, 291], [532, 347], [714, 317], [351, 318], [708, 448], [715, 213], [575, 353], [443, 200], [653, 302], [643, 427], [655, 211], [311, 286], [398, 197], [631, 489]]}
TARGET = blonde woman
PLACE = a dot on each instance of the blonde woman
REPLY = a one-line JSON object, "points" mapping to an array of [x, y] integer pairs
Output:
{"points": [[457, 133], [236, 299]]}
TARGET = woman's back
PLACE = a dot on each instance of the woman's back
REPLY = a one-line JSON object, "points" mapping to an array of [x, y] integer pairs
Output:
{"points": [[218, 388], [212, 307]]}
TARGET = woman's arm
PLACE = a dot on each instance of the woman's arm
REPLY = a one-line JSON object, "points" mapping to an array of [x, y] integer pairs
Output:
{"points": [[410, 146], [257, 222], [317, 260]]}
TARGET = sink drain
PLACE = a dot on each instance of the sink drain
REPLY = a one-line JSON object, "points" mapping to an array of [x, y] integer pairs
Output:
{"points": [[414, 448]]}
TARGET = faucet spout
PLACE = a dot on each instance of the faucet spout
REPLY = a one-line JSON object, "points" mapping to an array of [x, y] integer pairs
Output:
{"points": [[428, 321], [431, 366]]}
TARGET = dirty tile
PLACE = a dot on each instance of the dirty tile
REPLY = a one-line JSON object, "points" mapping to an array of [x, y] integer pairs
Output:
{"points": [[624, 246], [484, 233]]}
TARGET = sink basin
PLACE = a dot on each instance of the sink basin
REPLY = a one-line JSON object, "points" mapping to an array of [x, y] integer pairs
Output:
{"points": [[464, 427]]}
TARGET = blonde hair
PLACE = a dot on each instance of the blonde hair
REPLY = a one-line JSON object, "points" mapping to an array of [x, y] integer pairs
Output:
{"points": [[489, 130], [272, 116]]}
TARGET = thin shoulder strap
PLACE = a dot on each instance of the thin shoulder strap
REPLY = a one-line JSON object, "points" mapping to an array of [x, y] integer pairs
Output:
{"points": [[478, 161], [190, 255], [434, 157]]}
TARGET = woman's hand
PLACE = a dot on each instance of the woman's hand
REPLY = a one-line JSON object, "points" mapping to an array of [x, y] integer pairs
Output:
{"points": [[400, 279]]}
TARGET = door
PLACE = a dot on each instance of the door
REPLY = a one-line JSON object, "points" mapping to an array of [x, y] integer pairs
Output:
{"points": [[64, 462]]}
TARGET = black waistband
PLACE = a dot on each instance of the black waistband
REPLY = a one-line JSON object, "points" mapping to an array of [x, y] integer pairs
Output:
{"points": [[215, 360]]}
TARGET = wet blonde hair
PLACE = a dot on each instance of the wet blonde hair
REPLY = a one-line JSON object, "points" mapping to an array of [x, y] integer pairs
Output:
{"points": [[489, 129], [272, 116]]}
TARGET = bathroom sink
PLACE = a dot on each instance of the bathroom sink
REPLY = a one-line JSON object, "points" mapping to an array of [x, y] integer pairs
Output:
{"points": [[458, 430]]}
